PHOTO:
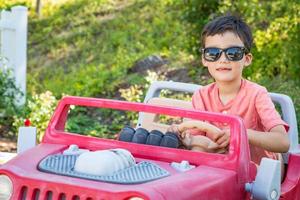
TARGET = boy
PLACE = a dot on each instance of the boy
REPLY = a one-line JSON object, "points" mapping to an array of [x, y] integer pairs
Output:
{"points": [[226, 42]]}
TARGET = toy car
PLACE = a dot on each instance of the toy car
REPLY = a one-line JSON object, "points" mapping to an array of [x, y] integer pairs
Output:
{"points": [[158, 172]]}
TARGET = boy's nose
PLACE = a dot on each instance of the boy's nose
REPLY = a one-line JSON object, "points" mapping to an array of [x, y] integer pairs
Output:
{"points": [[223, 58]]}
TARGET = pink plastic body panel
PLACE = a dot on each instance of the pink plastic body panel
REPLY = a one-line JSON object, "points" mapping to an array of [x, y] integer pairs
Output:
{"points": [[216, 176], [290, 188]]}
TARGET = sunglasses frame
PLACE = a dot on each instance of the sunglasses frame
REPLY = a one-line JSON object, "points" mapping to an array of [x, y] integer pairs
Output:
{"points": [[243, 49]]}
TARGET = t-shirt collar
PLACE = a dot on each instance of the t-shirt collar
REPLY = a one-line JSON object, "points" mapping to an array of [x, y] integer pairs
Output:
{"points": [[229, 104]]}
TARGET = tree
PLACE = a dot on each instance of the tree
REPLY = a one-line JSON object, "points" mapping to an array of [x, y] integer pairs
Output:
{"points": [[38, 7]]}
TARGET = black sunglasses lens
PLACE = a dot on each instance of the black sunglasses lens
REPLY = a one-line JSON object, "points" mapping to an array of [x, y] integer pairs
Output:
{"points": [[212, 54], [234, 53]]}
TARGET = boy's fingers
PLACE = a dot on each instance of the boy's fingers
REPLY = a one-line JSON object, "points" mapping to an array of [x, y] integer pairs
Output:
{"points": [[187, 134], [173, 128], [187, 139], [224, 144], [182, 135], [182, 129], [217, 135], [224, 140], [220, 140], [203, 126]]}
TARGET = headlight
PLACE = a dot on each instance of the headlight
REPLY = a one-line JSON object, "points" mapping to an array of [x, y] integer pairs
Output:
{"points": [[6, 187]]}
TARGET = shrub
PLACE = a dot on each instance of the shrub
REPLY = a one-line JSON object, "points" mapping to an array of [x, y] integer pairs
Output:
{"points": [[197, 13], [8, 108], [287, 87], [9, 94], [97, 122], [39, 111], [276, 26]]}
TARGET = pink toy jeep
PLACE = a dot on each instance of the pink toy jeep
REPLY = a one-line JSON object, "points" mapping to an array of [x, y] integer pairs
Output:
{"points": [[48, 171]]}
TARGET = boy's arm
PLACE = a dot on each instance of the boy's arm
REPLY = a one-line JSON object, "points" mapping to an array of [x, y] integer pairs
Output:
{"points": [[275, 141]]}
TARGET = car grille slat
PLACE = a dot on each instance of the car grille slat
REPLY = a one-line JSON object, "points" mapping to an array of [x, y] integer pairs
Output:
{"points": [[23, 193], [49, 195], [26, 193], [62, 196], [36, 194]]}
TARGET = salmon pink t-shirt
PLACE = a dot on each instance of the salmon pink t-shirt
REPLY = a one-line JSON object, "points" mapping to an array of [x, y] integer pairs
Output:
{"points": [[252, 104]]}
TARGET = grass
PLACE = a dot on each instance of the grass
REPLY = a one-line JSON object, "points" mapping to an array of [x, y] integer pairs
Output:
{"points": [[86, 47]]}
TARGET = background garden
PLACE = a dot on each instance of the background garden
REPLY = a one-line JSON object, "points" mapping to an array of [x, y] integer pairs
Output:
{"points": [[100, 48]]}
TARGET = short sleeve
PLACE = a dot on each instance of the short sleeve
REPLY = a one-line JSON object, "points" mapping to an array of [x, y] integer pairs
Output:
{"points": [[197, 101], [268, 115]]}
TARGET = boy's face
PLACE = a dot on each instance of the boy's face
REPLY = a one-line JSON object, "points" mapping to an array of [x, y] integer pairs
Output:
{"points": [[224, 70]]}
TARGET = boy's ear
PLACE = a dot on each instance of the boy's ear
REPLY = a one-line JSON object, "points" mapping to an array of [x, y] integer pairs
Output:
{"points": [[248, 59]]}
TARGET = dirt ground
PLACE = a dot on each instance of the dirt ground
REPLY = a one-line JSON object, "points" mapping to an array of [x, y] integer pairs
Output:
{"points": [[7, 139], [7, 146]]}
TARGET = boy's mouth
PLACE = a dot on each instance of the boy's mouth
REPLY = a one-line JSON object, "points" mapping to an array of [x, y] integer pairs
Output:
{"points": [[223, 69]]}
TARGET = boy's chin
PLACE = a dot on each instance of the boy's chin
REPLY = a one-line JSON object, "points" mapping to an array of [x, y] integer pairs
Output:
{"points": [[226, 80]]}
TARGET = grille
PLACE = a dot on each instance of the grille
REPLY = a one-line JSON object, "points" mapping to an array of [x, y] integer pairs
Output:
{"points": [[36, 194]]}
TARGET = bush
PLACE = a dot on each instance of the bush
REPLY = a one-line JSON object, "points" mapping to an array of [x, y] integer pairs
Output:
{"points": [[8, 108], [276, 26], [9, 94], [197, 13], [96, 122], [39, 111], [7, 4], [287, 87]]}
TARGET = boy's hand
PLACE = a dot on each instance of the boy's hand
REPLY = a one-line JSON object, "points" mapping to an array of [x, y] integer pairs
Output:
{"points": [[223, 138], [186, 129], [186, 139], [184, 135], [174, 128], [211, 131]]}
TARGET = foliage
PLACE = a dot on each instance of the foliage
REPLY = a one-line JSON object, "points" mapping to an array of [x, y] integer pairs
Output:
{"points": [[88, 48], [276, 27], [9, 93], [48, 6], [136, 93], [287, 87], [7, 4], [90, 55], [97, 122], [197, 13], [39, 111], [80, 122]]}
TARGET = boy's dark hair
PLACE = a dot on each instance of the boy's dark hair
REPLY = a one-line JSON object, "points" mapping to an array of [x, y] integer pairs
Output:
{"points": [[228, 23]]}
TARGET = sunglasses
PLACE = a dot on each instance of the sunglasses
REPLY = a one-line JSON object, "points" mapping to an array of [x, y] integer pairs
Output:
{"points": [[213, 54]]}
